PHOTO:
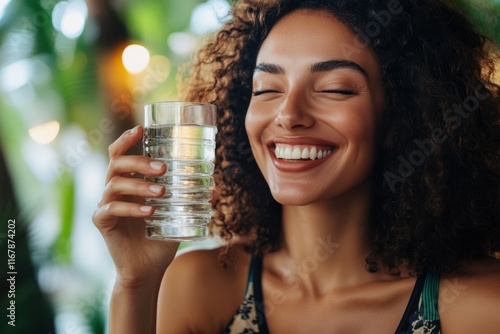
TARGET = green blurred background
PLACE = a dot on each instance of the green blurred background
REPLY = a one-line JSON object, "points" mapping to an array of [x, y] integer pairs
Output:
{"points": [[73, 76]]}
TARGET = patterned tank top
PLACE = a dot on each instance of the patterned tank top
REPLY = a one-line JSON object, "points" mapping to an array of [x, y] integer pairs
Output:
{"points": [[420, 317]]}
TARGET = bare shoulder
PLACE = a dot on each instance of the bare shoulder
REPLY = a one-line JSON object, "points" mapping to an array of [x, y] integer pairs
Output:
{"points": [[198, 294], [469, 302], [204, 267]]}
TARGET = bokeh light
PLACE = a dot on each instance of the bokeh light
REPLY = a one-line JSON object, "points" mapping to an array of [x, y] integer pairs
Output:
{"points": [[15, 75], [182, 43], [3, 6], [209, 16], [135, 58], [68, 17], [44, 133]]}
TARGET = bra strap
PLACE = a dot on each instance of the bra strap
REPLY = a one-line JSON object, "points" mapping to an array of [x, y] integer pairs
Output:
{"points": [[430, 295]]}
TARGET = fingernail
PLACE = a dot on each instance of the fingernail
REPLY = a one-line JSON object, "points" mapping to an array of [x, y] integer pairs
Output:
{"points": [[156, 165], [156, 188], [145, 208], [134, 130]]}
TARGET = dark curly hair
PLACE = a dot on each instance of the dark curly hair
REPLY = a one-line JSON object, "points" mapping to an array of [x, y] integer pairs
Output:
{"points": [[436, 178]]}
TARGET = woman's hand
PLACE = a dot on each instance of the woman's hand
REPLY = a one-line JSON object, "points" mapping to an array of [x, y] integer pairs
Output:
{"points": [[121, 212]]}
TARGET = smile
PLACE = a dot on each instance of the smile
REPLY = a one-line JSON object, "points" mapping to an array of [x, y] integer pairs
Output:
{"points": [[301, 152]]}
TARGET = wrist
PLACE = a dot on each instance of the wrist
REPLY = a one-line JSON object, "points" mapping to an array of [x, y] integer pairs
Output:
{"points": [[133, 305], [130, 284]]}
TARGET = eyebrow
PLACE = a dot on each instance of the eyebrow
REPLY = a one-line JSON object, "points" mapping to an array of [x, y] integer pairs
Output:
{"points": [[269, 68], [322, 66], [330, 65]]}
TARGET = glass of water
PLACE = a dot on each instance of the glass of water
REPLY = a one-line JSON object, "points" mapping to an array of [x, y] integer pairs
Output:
{"points": [[182, 135]]}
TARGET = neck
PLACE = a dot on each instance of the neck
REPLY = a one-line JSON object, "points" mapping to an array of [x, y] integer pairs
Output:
{"points": [[325, 244]]}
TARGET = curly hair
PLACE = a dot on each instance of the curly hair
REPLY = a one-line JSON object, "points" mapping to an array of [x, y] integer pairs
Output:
{"points": [[436, 178]]}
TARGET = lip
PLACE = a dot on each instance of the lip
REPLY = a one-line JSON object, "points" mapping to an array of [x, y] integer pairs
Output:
{"points": [[300, 141], [299, 165]]}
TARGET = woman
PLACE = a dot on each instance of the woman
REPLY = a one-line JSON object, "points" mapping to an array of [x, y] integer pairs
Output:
{"points": [[369, 200]]}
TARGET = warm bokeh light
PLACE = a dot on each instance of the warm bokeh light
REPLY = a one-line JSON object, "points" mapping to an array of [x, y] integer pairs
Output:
{"points": [[135, 58], [44, 133]]}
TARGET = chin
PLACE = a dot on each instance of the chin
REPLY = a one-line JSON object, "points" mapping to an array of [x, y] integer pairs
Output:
{"points": [[294, 196]]}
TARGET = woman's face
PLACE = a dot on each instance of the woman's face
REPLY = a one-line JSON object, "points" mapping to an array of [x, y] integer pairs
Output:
{"points": [[316, 102]]}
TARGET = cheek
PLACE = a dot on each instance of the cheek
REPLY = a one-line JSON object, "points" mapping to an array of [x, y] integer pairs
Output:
{"points": [[255, 123], [252, 128], [362, 131], [357, 123], [358, 129], [249, 123]]}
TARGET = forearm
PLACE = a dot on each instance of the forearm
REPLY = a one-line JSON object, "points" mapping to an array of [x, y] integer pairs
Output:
{"points": [[133, 309]]}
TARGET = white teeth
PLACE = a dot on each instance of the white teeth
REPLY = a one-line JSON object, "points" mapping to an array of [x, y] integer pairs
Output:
{"points": [[305, 153], [289, 152], [312, 153]]}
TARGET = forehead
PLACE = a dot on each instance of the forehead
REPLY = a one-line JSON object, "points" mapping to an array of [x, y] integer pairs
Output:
{"points": [[306, 36]]}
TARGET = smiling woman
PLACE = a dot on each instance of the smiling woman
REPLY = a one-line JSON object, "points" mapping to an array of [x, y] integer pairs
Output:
{"points": [[307, 92], [331, 96]]}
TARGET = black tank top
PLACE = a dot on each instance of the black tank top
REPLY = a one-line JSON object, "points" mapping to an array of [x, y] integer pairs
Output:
{"points": [[421, 314]]}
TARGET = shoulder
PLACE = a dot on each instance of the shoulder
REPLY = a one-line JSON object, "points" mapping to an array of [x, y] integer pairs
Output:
{"points": [[203, 266], [198, 293], [469, 302]]}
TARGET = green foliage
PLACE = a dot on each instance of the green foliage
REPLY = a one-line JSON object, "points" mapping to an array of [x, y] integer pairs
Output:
{"points": [[62, 246], [485, 14], [19, 291]]}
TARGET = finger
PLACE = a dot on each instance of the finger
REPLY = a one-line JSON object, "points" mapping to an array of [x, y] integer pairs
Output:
{"points": [[119, 186], [131, 164], [128, 139], [106, 215]]}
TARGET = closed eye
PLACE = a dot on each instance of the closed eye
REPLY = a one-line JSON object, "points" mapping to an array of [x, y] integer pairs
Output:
{"points": [[339, 91], [264, 91]]}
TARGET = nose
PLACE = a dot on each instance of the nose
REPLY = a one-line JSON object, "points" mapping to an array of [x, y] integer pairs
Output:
{"points": [[293, 114]]}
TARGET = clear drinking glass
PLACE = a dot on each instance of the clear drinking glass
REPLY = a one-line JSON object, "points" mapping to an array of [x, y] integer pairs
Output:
{"points": [[182, 135]]}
